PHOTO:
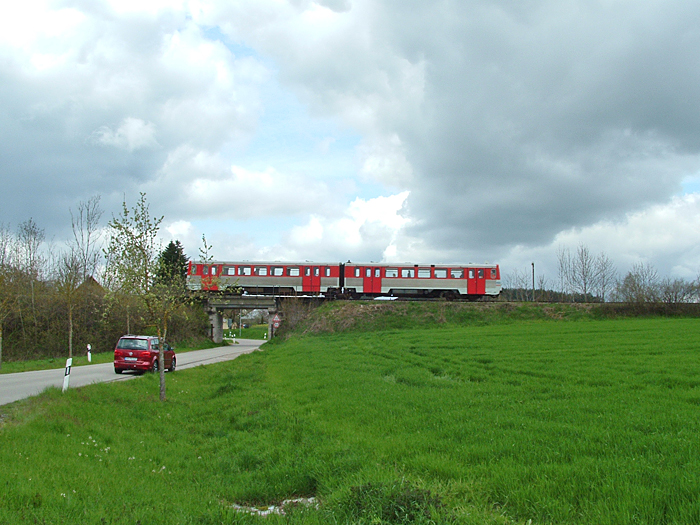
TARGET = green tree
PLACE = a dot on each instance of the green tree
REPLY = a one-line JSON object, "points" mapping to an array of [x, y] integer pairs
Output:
{"points": [[133, 267], [132, 253], [172, 264]]}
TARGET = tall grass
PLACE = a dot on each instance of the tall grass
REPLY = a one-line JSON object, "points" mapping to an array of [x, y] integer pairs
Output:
{"points": [[576, 422]]}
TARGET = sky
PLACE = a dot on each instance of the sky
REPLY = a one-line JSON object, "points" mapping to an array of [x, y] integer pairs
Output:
{"points": [[367, 130]]}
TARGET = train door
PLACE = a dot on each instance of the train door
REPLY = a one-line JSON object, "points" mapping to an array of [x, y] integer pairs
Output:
{"points": [[372, 282], [480, 282], [311, 279], [471, 280]]}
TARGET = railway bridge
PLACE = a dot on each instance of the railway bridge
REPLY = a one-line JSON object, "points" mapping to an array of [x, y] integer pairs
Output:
{"points": [[216, 304]]}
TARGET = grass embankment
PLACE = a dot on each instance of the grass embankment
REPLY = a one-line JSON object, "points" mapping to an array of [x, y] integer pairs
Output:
{"points": [[554, 422]]}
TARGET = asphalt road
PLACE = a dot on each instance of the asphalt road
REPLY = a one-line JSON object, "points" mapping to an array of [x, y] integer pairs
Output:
{"points": [[25, 384]]}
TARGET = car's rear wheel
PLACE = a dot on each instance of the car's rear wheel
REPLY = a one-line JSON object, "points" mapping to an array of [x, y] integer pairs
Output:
{"points": [[154, 368], [172, 366], [118, 370]]}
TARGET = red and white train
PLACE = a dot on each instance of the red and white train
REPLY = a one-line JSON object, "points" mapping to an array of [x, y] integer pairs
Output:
{"points": [[348, 280]]}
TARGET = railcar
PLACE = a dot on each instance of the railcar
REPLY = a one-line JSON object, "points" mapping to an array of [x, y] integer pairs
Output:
{"points": [[348, 280]]}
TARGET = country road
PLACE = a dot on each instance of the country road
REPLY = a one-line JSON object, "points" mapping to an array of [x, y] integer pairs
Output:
{"points": [[25, 384]]}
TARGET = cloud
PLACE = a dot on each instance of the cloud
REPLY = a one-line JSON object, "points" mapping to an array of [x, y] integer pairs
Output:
{"points": [[131, 135], [96, 99], [479, 130], [513, 124]]}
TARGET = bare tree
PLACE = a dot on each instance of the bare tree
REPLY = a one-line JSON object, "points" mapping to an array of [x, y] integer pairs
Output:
{"points": [[584, 271], [517, 281], [565, 268], [640, 285], [69, 276], [86, 235], [542, 284], [606, 275], [676, 291], [30, 264]]}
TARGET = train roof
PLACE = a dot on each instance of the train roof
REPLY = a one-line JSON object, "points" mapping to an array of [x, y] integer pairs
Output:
{"points": [[351, 263]]}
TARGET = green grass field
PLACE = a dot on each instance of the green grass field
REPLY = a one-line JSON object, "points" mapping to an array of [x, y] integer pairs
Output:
{"points": [[570, 422]]}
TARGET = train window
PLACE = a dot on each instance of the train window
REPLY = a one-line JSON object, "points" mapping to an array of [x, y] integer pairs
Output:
{"points": [[328, 272], [424, 273], [205, 270], [377, 272], [357, 272], [245, 270], [293, 271], [493, 273], [277, 271], [368, 272], [261, 271], [440, 273], [471, 273], [481, 273], [307, 272], [457, 274], [408, 272], [213, 270], [392, 272], [316, 272], [230, 270]]}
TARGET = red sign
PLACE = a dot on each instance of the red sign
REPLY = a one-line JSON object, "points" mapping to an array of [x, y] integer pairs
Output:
{"points": [[276, 321]]}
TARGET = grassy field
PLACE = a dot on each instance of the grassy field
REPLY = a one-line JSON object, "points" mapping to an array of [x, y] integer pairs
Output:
{"points": [[568, 422]]}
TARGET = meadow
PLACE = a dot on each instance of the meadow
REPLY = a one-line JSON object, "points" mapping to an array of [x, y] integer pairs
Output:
{"points": [[532, 422]]}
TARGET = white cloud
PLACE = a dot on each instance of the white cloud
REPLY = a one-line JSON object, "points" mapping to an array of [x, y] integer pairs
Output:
{"points": [[132, 134]]}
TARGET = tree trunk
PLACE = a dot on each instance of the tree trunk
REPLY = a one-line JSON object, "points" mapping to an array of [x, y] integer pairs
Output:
{"points": [[0, 346]]}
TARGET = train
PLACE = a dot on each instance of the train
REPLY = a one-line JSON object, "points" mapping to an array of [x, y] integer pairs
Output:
{"points": [[348, 280]]}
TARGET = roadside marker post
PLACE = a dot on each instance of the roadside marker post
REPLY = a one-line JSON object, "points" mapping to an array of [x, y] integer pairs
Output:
{"points": [[89, 347], [66, 377]]}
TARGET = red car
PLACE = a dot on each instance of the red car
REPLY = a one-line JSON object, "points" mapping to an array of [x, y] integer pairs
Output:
{"points": [[140, 352]]}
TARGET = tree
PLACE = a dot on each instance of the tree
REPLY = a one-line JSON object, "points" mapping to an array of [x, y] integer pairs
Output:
{"points": [[132, 253], [640, 285], [133, 265], [564, 263], [606, 274], [29, 265], [676, 291], [86, 237], [583, 271], [8, 293], [172, 264], [69, 275]]}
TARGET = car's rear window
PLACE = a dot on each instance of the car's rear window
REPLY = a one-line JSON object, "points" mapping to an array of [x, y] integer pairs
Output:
{"points": [[133, 344]]}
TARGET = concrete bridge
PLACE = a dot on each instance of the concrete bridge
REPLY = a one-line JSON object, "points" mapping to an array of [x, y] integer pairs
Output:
{"points": [[216, 304]]}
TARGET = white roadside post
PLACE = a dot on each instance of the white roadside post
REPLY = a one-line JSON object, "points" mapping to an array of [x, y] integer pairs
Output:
{"points": [[66, 377], [89, 347]]}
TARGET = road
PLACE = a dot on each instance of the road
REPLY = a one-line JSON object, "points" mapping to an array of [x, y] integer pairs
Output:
{"points": [[25, 384]]}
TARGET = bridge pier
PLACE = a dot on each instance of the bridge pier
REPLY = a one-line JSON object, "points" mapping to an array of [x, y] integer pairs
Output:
{"points": [[216, 320]]}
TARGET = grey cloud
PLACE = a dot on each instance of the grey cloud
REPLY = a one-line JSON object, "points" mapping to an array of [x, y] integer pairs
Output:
{"points": [[534, 117]]}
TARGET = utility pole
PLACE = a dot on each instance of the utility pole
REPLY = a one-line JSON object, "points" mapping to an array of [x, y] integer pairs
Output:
{"points": [[533, 282]]}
